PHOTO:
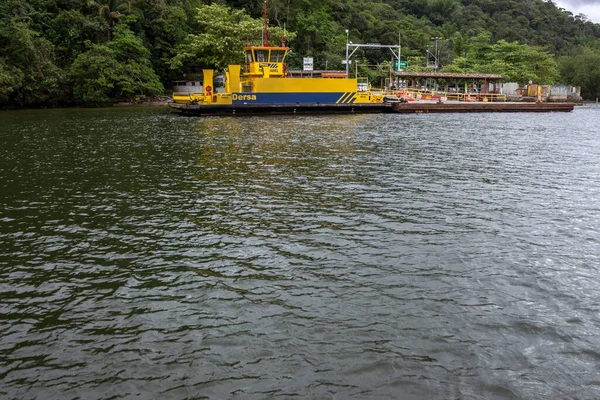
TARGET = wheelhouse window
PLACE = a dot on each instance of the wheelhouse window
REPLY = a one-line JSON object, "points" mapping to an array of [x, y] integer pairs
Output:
{"points": [[277, 55], [249, 56], [262, 55]]}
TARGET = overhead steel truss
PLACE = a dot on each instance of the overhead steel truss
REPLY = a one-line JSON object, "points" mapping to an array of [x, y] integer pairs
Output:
{"points": [[371, 46]]}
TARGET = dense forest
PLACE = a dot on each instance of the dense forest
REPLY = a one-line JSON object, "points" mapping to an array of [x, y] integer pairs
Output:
{"points": [[93, 52]]}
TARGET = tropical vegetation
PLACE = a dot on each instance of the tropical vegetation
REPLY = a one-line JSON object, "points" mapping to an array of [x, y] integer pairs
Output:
{"points": [[93, 52]]}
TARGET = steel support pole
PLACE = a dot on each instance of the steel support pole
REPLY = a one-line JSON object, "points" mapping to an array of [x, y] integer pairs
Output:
{"points": [[347, 61]]}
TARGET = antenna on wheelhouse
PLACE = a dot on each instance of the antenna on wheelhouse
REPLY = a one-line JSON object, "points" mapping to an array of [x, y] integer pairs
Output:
{"points": [[265, 27]]}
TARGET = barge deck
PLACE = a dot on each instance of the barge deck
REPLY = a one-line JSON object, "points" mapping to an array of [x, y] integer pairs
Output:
{"points": [[262, 109], [465, 107], [415, 107]]}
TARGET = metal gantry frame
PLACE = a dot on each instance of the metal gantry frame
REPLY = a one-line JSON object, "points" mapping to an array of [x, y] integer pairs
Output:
{"points": [[371, 46]]}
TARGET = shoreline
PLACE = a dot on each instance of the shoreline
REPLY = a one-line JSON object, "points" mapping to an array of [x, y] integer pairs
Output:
{"points": [[155, 101]]}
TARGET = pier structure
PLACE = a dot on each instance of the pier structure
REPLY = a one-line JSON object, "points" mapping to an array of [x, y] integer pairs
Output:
{"points": [[452, 85]]}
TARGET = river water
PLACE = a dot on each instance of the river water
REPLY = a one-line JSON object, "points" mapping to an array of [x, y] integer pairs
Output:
{"points": [[148, 255]]}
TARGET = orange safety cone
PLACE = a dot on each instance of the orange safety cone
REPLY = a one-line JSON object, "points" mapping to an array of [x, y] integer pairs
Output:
{"points": [[469, 99]]}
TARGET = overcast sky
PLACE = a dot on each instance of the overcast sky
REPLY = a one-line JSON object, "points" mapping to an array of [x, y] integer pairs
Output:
{"points": [[591, 8]]}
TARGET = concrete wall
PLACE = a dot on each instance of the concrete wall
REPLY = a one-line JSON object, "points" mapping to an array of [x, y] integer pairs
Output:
{"points": [[510, 88], [551, 93], [196, 86], [188, 87], [564, 90]]}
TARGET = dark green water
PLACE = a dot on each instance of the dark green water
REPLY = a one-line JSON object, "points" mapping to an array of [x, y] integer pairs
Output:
{"points": [[148, 255]]}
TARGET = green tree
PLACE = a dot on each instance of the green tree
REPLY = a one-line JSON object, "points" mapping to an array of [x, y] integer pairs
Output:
{"points": [[168, 29], [11, 79], [69, 30], [518, 63], [120, 69], [111, 10], [223, 32], [440, 11], [582, 69], [514, 61], [28, 75]]}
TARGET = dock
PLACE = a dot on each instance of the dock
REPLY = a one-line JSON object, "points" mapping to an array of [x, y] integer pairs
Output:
{"points": [[415, 107], [412, 107]]}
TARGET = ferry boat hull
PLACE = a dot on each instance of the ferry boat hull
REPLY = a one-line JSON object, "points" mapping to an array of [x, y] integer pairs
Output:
{"points": [[262, 109], [296, 98]]}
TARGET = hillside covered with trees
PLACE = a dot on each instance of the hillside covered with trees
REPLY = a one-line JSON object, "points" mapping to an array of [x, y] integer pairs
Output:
{"points": [[92, 52]]}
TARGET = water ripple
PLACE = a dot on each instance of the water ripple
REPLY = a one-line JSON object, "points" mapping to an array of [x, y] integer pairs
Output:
{"points": [[362, 256]]}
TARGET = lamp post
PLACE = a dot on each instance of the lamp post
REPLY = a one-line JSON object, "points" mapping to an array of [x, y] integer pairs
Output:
{"points": [[346, 53], [436, 56], [399, 58]]}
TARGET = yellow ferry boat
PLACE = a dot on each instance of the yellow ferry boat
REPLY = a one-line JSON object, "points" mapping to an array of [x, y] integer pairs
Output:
{"points": [[266, 87]]}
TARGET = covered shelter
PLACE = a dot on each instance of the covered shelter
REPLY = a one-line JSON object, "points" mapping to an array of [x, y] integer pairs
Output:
{"points": [[451, 81]]}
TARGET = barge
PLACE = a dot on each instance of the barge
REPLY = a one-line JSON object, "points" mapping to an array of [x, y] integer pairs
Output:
{"points": [[465, 107], [415, 107]]}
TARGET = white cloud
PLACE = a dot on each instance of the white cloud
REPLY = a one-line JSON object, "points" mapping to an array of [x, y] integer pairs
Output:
{"points": [[590, 8]]}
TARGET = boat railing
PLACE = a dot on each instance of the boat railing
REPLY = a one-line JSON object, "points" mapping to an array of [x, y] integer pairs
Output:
{"points": [[427, 94]]}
